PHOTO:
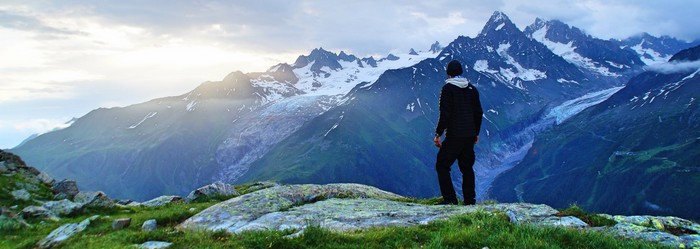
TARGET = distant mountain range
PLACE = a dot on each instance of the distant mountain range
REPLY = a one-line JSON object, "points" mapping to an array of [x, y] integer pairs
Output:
{"points": [[641, 147], [338, 118]]}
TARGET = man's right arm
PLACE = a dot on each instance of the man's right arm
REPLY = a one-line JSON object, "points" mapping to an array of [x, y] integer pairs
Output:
{"points": [[444, 112]]}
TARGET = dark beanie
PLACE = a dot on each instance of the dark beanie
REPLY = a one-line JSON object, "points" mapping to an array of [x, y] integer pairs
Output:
{"points": [[454, 68]]}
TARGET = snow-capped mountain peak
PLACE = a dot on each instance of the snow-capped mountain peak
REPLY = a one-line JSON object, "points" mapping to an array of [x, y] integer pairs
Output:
{"points": [[499, 22]]}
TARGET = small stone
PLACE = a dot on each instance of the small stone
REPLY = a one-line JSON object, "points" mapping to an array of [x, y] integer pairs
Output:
{"points": [[155, 245], [67, 187], [149, 225], [121, 223], [21, 194], [14, 207]]}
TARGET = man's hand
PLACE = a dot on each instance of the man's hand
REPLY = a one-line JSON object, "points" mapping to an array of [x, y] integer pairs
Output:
{"points": [[437, 142], [476, 139]]}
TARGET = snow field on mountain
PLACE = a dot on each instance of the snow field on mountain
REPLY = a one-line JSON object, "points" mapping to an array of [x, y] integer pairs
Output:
{"points": [[568, 52]]}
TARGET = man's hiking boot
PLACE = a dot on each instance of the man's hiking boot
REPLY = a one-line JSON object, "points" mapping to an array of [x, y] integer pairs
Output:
{"points": [[447, 203]]}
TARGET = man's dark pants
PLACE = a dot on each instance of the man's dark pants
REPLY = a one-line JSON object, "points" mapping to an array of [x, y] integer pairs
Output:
{"points": [[462, 150]]}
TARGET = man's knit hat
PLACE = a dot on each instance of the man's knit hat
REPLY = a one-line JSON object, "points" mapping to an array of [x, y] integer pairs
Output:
{"points": [[454, 68]]}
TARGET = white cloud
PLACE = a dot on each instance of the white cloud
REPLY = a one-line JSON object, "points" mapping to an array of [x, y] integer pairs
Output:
{"points": [[675, 67], [40, 125]]}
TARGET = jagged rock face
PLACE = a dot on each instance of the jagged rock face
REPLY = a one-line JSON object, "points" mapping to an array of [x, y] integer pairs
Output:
{"points": [[11, 164]]}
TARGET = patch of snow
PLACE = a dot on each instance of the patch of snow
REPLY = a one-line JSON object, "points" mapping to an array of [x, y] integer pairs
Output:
{"points": [[191, 105], [567, 81], [500, 26], [334, 126], [648, 55], [411, 106], [520, 72], [149, 115], [483, 66], [620, 66], [574, 106]]}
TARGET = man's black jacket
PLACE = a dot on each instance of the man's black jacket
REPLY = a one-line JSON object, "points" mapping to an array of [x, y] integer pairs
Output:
{"points": [[460, 110]]}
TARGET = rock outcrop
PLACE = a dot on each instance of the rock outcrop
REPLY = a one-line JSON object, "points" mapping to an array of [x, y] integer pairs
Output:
{"points": [[347, 207], [67, 188], [162, 200], [212, 190]]}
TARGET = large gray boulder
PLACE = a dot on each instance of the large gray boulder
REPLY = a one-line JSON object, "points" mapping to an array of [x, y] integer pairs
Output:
{"points": [[3, 168], [64, 232], [94, 200], [69, 188], [162, 200], [343, 207], [63, 207], [212, 190], [236, 214], [37, 212]]}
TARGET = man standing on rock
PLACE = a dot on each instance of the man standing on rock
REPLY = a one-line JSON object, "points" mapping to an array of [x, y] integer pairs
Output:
{"points": [[460, 116]]}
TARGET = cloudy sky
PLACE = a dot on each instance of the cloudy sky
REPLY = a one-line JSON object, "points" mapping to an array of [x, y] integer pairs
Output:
{"points": [[61, 59]]}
